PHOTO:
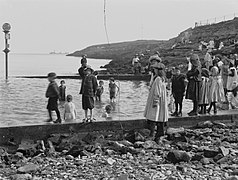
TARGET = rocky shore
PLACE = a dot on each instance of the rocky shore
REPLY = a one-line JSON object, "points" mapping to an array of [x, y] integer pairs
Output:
{"points": [[208, 151]]}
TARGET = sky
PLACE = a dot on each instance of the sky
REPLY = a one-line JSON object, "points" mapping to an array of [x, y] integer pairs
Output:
{"points": [[42, 26]]}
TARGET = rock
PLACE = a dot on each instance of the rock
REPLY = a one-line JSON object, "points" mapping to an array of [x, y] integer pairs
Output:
{"points": [[171, 131], [27, 147], [172, 178], [138, 144], [197, 157], [234, 172], [69, 157], [177, 156], [75, 151], [205, 161], [224, 150], [150, 145], [232, 178], [123, 177], [126, 143], [92, 137], [109, 152], [210, 153], [133, 136], [223, 160], [217, 157], [181, 168], [206, 124], [51, 149], [110, 161], [55, 138], [28, 168], [21, 177]]}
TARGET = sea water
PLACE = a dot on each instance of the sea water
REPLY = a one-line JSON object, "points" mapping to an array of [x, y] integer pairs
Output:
{"points": [[23, 102]]}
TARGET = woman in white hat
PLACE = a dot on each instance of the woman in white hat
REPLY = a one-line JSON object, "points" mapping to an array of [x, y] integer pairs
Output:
{"points": [[156, 110]]}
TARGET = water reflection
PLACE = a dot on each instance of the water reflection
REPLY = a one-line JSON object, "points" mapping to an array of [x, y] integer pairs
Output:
{"points": [[23, 101]]}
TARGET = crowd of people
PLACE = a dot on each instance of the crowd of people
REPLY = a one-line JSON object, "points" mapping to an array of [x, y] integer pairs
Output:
{"points": [[90, 89], [207, 83]]}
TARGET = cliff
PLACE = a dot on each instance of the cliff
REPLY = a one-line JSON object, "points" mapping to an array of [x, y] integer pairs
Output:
{"points": [[173, 51]]}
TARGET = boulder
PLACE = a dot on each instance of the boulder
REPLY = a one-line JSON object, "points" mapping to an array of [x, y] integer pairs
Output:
{"points": [[27, 147], [176, 156], [210, 153], [28, 168], [21, 177]]}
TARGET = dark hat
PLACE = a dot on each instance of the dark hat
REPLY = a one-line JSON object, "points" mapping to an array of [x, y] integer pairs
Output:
{"points": [[88, 67], [112, 79], [51, 74]]}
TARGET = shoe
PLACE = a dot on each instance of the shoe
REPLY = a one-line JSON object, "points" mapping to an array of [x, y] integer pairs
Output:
{"points": [[49, 120], [58, 121], [174, 114], [215, 111], [193, 114], [179, 114], [190, 112]]}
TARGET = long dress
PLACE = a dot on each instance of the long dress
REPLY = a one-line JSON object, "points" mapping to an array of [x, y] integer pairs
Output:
{"points": [[216, 90], [157, 95], [231, 77]]}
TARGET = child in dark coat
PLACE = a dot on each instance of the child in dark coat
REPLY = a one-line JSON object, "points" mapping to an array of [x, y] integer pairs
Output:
{"points": [[178, 91], [99, 91], [89, 90], [62, 90], [52, 93]]}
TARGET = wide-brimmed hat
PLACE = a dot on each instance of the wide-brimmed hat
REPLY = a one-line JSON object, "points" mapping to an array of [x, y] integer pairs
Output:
{"points": [[159, 66], [155, 58], [52, 75], [88, 67], [194, 60]]}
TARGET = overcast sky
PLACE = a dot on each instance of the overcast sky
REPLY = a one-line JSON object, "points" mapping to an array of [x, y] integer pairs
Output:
{"points": [[41, 26]]}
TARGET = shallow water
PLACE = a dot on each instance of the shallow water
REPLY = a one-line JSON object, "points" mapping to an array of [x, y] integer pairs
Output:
{"points": [[23, 102]]}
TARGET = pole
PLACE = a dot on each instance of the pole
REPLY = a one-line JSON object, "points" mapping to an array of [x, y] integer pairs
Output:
{"points": [[6, 29], [6, 57]]}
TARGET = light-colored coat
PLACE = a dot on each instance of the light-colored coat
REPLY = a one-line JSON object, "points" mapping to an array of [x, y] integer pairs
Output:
{"points": [[216, 90], [157, 96]]}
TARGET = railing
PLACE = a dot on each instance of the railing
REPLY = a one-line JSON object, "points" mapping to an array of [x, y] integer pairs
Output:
{"points": [[215, 20]]}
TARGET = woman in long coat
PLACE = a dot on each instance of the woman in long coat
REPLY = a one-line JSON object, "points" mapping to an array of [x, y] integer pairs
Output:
{"points": [[156, 110], [194, 83]]}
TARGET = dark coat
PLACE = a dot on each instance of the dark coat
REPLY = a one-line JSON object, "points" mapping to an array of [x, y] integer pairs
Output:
{"points": [[89, 86], [178, 84], [194, 84], [52, 90], [82, 75]]}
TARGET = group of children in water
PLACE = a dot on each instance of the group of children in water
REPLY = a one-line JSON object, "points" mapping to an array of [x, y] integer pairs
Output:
{"points": [[90, 89]]}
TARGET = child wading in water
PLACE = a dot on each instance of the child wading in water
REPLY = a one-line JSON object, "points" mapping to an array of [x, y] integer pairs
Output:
{"points": [[107, 112], [62, 90], [99, 91], [178, 90], [112, 89], [52, 93], [69, 109], [89, 90]]}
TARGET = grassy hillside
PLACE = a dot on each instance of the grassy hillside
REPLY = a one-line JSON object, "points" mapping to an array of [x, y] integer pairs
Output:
{"points": [[123, 52]]}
